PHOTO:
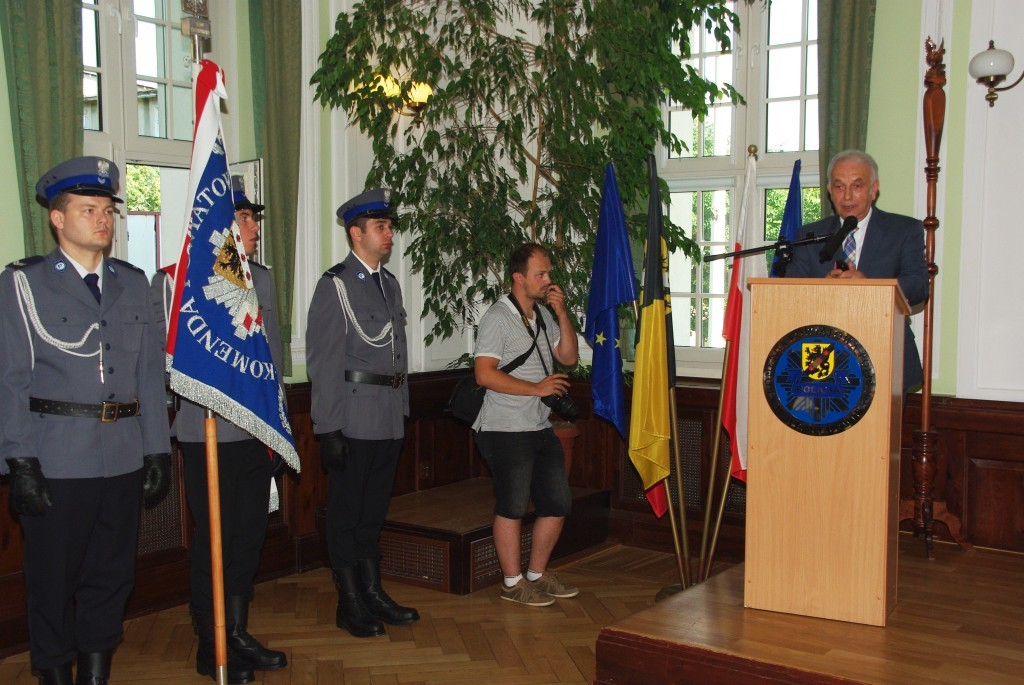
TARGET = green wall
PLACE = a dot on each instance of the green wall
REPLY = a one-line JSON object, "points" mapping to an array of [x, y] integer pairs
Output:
{"points": [[896, 93], [12, 239]]}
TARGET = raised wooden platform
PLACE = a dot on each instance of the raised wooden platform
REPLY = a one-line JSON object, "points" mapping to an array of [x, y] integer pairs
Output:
{"points": [[442, 538], [959, 620]]}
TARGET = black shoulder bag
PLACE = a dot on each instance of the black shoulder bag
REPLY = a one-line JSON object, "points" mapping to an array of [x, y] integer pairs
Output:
{"points": [[467, 398]]}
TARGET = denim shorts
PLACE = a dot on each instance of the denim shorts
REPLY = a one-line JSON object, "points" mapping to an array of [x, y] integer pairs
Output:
{"points": [[524, 466]]}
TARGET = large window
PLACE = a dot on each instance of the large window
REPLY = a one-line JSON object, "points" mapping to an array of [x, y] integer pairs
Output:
{"points": [[773, 63], [137, 88]]}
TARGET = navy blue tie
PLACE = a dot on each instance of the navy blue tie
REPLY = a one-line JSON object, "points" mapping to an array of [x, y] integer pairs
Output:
{"points": [[93, 281], [376, 279]]}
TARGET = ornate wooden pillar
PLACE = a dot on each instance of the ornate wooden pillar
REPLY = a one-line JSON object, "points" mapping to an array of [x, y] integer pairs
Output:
{"points": [[922, 508]]}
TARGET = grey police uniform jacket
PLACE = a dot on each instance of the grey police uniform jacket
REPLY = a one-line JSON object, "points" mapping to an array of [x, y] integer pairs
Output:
{"points": [[31, 366], [189, 421], [333, 345]]}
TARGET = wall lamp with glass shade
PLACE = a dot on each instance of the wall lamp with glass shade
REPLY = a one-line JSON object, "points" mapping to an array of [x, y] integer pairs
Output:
{"points": [[990, 68]]}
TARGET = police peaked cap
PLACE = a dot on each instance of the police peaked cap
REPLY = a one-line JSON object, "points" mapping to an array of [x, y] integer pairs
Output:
{"points": [[239, 197], [375, 203], [95, 176]]}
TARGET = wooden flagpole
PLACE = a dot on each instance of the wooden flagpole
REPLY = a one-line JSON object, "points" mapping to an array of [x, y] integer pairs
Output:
{"points": [[220, 640]]}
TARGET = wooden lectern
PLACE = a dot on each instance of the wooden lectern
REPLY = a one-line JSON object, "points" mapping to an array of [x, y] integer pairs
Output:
{"points": [[822, 491]]}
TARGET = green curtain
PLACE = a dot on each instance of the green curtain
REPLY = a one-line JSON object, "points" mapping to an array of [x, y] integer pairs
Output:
{"points": [[275, 31], [846, 33], [43, 54]]}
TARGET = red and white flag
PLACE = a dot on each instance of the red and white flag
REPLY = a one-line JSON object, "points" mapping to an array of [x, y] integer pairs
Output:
{"points": [[737, 325]]}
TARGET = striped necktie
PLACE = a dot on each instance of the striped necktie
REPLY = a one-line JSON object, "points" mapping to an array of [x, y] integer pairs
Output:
{"points": [[850, 249]]}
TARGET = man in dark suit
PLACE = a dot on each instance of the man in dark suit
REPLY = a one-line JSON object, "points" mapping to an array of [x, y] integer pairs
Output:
{"points": [[882, 246], [246, 468], [83, 423], [357, 361]]}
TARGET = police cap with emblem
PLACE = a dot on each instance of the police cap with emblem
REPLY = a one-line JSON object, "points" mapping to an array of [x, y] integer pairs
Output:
{"points": [[80, 176], [241, 201], [375, 204]]}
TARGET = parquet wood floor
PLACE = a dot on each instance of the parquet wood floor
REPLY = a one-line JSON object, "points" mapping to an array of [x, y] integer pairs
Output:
{"points": [[475, 639]]}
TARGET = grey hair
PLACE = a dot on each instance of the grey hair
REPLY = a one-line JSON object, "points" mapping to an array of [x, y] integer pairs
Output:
{"points": [[856, 156]]}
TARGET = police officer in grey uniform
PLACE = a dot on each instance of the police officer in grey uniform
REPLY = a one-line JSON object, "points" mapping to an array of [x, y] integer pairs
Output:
{"points": [[246, 468], [357, 362], [84, 423]]}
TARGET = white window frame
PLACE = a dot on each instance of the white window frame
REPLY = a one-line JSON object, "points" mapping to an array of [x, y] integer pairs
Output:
{"points": [[727, 172]]}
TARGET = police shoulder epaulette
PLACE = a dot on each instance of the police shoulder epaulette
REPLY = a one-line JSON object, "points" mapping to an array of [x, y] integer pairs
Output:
{"points": [[335, 270], [25, 261], [128, 265], [253, 262]]}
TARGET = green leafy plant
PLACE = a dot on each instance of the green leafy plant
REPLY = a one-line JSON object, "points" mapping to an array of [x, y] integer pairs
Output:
{"points": [[531, 99]]}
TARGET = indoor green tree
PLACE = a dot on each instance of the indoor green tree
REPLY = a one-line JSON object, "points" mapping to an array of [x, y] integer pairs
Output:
{"points": [[531, 99]]}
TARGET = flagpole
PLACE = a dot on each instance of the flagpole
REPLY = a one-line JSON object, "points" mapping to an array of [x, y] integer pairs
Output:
{"points": [[702, 573], [684, 558], [196, 28], [216, 548]]}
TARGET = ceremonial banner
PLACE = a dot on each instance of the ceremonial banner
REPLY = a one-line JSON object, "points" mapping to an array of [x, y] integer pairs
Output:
{"points": [[217, 351]]}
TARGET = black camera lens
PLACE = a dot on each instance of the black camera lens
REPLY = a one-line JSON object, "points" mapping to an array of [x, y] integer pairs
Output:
{"points": [[563, 405]]}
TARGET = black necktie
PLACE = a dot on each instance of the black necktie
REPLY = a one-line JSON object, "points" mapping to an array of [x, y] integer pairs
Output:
{"points": [[93, 281], [376, 279]]}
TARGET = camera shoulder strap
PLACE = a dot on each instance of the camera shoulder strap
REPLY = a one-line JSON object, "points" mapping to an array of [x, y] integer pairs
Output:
{"points": [[529, 329]]}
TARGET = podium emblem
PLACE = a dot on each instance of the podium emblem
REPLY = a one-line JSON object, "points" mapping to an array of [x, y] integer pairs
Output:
{"points": [[819, 380]]}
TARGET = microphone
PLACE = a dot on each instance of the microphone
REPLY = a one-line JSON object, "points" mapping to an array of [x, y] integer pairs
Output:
{"points": [[837, 238]]}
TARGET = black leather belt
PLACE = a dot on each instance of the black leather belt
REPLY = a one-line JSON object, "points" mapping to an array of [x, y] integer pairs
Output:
{"points": [[106, 412], [392, 381]]}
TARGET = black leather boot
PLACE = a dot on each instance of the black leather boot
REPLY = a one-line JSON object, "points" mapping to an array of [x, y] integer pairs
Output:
{"points": [[380, 605], [353, 615], [60, 675], [238, 672], [243, 645], [93, 668]]}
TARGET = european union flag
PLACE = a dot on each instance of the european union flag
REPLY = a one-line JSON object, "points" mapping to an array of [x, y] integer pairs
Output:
{"points": [[612, 283], [792, 215]]}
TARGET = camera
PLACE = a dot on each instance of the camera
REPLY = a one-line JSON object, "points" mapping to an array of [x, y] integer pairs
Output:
{"points": [[563, 405]]}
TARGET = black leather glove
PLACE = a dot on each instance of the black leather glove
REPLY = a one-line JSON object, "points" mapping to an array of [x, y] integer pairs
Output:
{"points": [[333, 451], [156, 477], [276, 465], [29, 495]]}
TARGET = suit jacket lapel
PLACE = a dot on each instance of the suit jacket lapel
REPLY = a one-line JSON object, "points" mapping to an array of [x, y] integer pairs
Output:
{"points": [[68, 280], [873, 240]]}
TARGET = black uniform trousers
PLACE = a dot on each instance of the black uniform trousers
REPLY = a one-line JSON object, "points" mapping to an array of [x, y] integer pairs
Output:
{"points": [[245, 470], [357, 500], [80, 566]]}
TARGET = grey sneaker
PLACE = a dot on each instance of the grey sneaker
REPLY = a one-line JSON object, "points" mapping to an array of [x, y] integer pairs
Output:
{"points": [[526, 593], [549, 584]]}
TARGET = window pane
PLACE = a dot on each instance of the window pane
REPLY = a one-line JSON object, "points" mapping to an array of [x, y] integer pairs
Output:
{"points": [[152, 103], [715, 224], [149, 50], [812, 21], [714, 309], [811, 134], [90, 40], [684, 127], [92, 119], [784, 71], [785, 22], [183, 119], [812, 70], [150, 8], [684, 321], [181, 58], [784, 126], [718, 132], [154, 202]]}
